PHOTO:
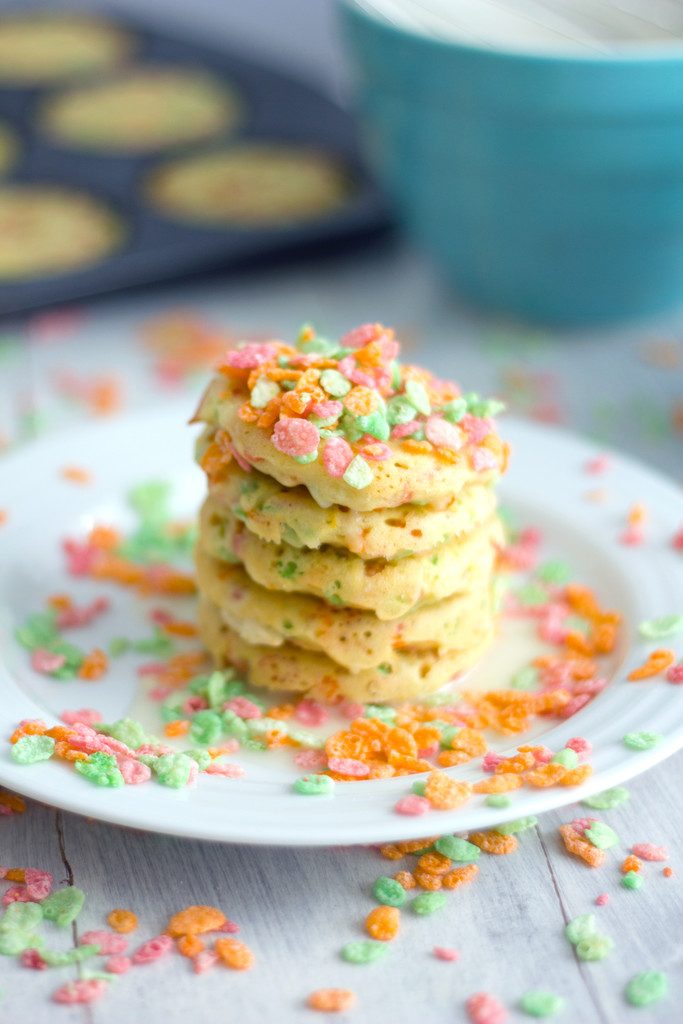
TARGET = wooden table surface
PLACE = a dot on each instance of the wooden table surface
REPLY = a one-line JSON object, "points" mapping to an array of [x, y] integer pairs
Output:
{"points": [[297, 907]]}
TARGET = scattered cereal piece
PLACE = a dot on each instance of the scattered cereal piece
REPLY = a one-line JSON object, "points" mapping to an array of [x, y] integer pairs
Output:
{"points": [[389, 891], [648, 851], [664, 626], [153, 949], [580, 928], [63, 906], [646, 988], [332, 1000], [235, 954], [580, 847], [632, 880], [541, 1004], [493, 842], [122, 921], [483, 1008], [446, 953], [314, 785], [642, 740], [364, 952], [428, 903], [383, 923], [607, 799], [195, 920], [601, 835]]}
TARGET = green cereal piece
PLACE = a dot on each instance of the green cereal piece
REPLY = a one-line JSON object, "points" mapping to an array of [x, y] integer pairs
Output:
{"points": [[554, 571], [448, 734], [416, 393], [314, 785], [395, 368], [646, 988], [608, 798], [149, 759], [31, 749], [498, 800], [64, 906], [39, 630], [171, 710], [173, 770], [642, 740], [118, 645], [388, 891], [335, 383], [428, 903], [601, 835], [159, 645], [21, 917], [632, 880], [419, 787], [594, 947], [541, 1004], [376, 424], [263, 391], [215, 689], [484, 407], [206, 727], [307, 739], [73, 956], [525, 679], [358, 473], [260, 726], [665, 625], [455, 409], [14, 942], [567, 757], [126, 730], [364, 952], [381, 711], [532, 595], [304, 460], [581, 927], [101, 769], [253, 744], [202, 757], [150, 500], [234, 726], [510, 828], [458, 849], [400, 410]]}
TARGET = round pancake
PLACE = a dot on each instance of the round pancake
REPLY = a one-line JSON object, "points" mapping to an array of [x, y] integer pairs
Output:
{"points": [[251, 184], [290, 515], [146, 109], [388, 588], [41, 47], [46, 230], [9, 148], [352, 638], [408, 676], [405, 477]]}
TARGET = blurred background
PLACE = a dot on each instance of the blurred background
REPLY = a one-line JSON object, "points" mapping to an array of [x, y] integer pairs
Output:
{"points": [[504, 186]]}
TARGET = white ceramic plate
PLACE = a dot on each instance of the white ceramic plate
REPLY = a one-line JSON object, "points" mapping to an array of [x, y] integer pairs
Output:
{"points": [[546, 486]]}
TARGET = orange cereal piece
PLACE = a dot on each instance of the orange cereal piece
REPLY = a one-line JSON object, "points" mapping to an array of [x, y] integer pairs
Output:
{"points": [[122, 921], [452, 758], [405, 764], [631, 863], [14, 802], [604, 638], [580, 847], [445, 793], [434, 863], [270, 415], [637, 514], [235, 954], [459, 876], [179, 727], [195, 920], [383, 923], [406, 879], [32, 728], [417, 447], [428, 880], [582, 600], [248, 414], [332, 1000], [667, 872], [15, 875], [575, 776], [391, 852], [76, 475], [189, 945], [658, 661], [494, 842], [499, 783], [546, 775], [360, 401], [516, 765], [94, 665], [106, 537], [413, 845], [294, 403], [400, 741], [179, 628], [470, 742]]}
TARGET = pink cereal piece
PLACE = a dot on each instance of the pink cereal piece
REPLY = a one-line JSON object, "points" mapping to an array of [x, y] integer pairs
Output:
{"points": [[677, 540], [228, 771], [310, 712], [602, 899], [153, 949], [348, 766], [483, 1008], [194, 703], [491, 760], [476, 428], [118, 964], [648, 851], [80, 556], [520, 556], [193, 774], [675, 673], [581, 824], [249, 356], [134, 772], [243, 707], [31, 958], [229, 927], [361, 378], [330, 409], [598, 464], [590, 686], [109, 942], [204, 961], [87, 716], [337, 454], [160, 616], [376, 451], [38, 884], [574, 705], [580, 746], [359, 336], [84, 991], [152, 668], [412, 805], [159, 693], [45, 661], [446, 953], [295, 436], [632, 536], [73, 617], [350, 709], [16, 894], [443, 434], [543, 754], [483, 459], [310, 760], [428, 752], [240, 459], [405, 429], [229, 746], [530, 535]]}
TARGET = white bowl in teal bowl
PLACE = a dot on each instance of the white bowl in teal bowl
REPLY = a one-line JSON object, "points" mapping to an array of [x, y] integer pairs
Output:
{"points": [[547, 187]]}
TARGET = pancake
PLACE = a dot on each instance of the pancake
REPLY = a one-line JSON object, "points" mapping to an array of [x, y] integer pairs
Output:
{"points": [[388, 588], [44, 47], [408, 676], [250, 185]]}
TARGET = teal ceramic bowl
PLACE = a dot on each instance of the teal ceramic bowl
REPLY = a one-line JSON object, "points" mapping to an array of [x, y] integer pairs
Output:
{"points": [[549, 188]]}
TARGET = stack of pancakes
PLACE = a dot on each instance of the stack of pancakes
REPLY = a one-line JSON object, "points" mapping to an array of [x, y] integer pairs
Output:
{"points": [[347, 545]]}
